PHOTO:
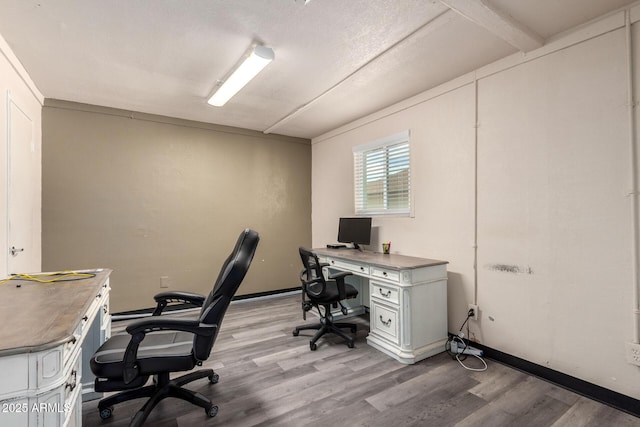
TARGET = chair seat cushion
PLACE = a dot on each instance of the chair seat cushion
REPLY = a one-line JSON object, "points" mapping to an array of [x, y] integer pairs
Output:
{"points": [[331, 292], [162, 351]]}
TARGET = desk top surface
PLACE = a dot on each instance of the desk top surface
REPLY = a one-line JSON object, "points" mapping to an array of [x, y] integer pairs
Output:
{"points": [[36, 316], [392, 261]]}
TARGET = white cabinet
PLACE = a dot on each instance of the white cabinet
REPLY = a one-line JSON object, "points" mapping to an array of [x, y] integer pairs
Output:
{"points": [[384, 322], [410, 320], [44, 345], [407, 299], [385, 293]]}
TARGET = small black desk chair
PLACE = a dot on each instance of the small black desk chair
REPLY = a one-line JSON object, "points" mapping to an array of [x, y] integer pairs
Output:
{"points": [[325, 293]]}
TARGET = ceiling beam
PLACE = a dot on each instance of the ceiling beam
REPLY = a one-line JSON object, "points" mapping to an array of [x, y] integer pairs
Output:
{"points": [[498, 22], [440, 20]]}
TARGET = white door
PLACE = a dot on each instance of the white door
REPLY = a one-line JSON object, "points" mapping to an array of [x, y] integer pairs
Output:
{"points": [[22, 162]]}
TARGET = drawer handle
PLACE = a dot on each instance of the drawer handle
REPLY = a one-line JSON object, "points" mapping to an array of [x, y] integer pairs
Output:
{"points": [[384, 273], [361, 268], [105, 309], [85, 318], [72, 385], [387, 323], [387, 294], [99, 295], [332, 262]]}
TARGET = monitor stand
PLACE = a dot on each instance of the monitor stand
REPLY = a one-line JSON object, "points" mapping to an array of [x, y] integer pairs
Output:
{"points": [[336, 246]]}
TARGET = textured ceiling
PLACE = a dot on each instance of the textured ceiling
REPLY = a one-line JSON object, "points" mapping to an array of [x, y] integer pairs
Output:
{"points": [[336, 60]]}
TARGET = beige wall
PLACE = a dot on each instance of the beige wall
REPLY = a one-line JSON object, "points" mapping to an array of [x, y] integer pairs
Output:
{"points": [[548, 170], [151, 196]]}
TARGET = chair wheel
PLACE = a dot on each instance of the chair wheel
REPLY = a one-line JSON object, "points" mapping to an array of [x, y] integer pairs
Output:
{"points": [[106, 413], [313, 346], [350, 345], [214, 378], [212, 411], [295, 333]]}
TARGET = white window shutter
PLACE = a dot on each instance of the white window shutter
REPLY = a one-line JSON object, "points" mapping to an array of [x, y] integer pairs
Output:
{"points": [[382, 175]]}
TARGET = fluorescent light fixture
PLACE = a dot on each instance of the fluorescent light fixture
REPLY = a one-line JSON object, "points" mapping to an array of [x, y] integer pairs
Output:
{"points": [[259, 57]]}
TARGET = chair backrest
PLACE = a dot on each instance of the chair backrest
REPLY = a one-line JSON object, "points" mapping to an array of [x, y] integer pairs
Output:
{"points": [[312, 272], [229, 279]]}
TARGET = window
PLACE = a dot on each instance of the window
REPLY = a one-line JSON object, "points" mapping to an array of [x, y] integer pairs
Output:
{"points": [[382, 176]]}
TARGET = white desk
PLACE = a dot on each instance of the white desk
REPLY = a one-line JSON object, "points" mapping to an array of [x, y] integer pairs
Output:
{"points": [[44, 344], [407, 300]]}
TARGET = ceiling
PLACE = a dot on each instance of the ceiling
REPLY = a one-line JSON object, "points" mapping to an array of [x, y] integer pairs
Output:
{"points": [[335, 60]]}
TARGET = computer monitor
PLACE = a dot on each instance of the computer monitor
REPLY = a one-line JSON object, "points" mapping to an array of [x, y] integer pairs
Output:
{"points": [[355, 230]]}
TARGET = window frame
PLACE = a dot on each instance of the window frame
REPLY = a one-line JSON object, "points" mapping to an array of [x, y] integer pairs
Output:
{"points": [[386, 144]]}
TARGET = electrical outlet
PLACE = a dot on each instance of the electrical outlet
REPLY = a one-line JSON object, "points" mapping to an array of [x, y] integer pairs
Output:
{"points": [[476, 313], [633, 353], [164, 281]]}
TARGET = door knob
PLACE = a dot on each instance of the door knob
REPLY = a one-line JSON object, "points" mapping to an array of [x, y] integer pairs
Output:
{"points": [[15, 251]]}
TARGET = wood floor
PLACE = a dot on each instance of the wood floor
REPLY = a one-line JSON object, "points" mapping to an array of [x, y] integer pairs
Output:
{"points": [[270, 378]]}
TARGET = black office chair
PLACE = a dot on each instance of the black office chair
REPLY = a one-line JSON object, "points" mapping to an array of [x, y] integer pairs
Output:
{"points": [[325, 293], [158, 346]]}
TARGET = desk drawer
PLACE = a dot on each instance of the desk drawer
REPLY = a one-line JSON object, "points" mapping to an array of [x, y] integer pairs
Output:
{"points": [[57, 406], [348, 266], [95, 309], [383, 292], [72, 346], [384, 273], [385, 322]]}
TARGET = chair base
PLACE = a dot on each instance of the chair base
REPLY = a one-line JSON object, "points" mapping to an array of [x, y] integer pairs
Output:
{"points": [[163, 387], [326, 326]]}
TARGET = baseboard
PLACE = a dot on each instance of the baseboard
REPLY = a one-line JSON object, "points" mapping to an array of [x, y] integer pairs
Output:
{"points": [[178, 308], [584, 388], [266, 294]]}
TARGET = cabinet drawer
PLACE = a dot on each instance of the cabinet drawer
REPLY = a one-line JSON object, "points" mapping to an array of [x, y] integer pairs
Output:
{"points": [[105, 313], [348, 266], [384, 322], [384, 273], [55, 407], [389, 294], [73, 384], [72, 346]]}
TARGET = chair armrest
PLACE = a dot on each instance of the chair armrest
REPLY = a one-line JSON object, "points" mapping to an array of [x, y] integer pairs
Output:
{"points": [[339, 278], [306, 283], [170, 324], [340, 275], [139, 330], [164, 298]]}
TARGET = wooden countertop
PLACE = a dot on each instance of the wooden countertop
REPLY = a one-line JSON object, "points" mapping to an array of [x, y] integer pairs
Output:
{"points": [[36, 316], [391, 261]]}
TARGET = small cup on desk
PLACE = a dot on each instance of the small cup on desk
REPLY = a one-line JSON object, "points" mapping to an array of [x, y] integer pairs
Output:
{"points": [[386, 247]]}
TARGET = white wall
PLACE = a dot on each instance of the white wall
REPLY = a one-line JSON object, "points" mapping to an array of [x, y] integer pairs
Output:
{"points": [[553, 174], [442, 150], [554, 224], [15, 81]]}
